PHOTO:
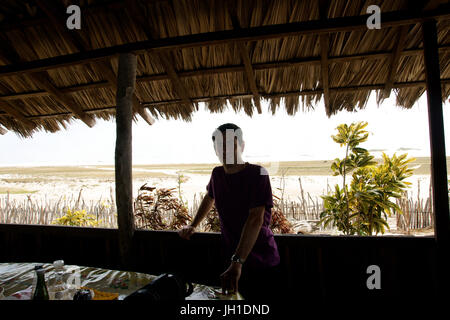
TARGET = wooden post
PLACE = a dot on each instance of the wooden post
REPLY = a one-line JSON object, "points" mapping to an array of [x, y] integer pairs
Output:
{"points": [[126, 80], [437, 146]]}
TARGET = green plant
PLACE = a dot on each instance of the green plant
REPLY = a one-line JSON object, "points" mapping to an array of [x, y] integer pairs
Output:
{"points": [[362, 207]]}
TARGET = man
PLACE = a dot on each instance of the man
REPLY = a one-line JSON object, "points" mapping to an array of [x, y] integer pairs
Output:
{"points": [[243, 198]]}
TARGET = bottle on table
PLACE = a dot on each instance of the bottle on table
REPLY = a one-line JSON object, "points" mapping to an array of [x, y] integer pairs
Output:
{"points": [[58, 286], [40, 291]]}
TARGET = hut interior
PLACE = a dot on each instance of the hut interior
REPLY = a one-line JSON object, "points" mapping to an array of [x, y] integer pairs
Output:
{"points": [[226, 54]]}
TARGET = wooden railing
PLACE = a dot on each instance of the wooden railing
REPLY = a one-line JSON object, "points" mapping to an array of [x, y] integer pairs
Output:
{"points": [[313, 265]]}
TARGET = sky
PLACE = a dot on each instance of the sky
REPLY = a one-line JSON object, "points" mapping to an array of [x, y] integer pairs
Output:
{"points": [[304, 136]]}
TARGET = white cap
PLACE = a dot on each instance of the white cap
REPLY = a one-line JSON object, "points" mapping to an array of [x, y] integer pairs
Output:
{"points": [[58, 263]]}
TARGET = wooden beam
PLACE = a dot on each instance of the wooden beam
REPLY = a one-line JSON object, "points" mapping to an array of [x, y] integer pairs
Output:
{"points": [[324, 40], [436, 126], [245, 56], [164, 57], [173, 76], [89, 9], [395, 59], [42, 80], [258, 66], [250, 74], [437, 148], [17, 115], [410, 84], [78, 43], [226, 69], [432, 4], [43, 93], [299, 93], [126, 80], [398, 48], [8, 54], [390, 19], [108, 73]]}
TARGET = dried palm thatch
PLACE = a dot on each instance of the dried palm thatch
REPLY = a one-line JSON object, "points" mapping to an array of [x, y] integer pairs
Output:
{"points": [[176, 72]]}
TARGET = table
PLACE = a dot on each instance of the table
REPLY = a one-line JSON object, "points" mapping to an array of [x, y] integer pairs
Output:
{"points": [[17, 281]]}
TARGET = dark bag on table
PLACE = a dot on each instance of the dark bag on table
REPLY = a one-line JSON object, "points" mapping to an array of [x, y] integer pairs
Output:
{"points": [[165, 287]]}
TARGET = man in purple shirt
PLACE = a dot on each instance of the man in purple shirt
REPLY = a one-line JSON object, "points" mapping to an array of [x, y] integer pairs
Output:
{"points": [[243, 198]]}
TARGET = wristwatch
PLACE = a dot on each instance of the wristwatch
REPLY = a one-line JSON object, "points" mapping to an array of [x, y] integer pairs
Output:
{"points": [[236, 258]]}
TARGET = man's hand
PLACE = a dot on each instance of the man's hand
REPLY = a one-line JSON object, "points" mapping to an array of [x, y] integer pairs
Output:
{"points": [[186, 232], [230, 278]]}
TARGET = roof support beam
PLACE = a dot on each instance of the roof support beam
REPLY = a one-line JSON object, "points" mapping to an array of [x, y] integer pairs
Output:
{"points": [[180, 89], [390, 19], [236, 68], [300, 93], [112, 5], [42, 79], [250, 74], [437, 148], [394, 62], [324, 40], [164, 57], [398, 48], [7, 54], [17, 115], [245, 56], [123, 156], [225, 69], [78, 43], [411, 84], [111, 78]]}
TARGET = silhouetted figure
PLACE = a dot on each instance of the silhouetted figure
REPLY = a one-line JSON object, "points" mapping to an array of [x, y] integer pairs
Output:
{"points": [[242, 195]]}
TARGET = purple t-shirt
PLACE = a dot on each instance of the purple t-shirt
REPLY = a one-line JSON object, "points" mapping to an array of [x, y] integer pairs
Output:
{"points": [[234, 195]]}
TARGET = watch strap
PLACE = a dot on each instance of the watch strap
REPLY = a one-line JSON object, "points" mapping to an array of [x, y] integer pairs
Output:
{"points": [[236, 258]]}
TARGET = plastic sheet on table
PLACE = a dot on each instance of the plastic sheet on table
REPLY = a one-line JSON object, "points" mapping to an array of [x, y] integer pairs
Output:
{"points": [[17, 280]]}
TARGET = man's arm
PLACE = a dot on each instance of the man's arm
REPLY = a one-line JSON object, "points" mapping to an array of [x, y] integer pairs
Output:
{"points": [[252, 227], [202, 212], [250, 232]]}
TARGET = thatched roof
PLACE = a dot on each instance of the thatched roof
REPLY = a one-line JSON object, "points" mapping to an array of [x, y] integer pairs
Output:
{"points": [[288, 52]]}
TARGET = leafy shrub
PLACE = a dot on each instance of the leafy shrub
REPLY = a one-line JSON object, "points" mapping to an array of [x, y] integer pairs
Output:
{"points": [[362, 207], [78, 218]]}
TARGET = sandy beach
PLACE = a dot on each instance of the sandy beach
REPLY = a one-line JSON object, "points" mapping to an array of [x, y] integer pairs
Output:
{"points": [[95, 184], [97, 188]]}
